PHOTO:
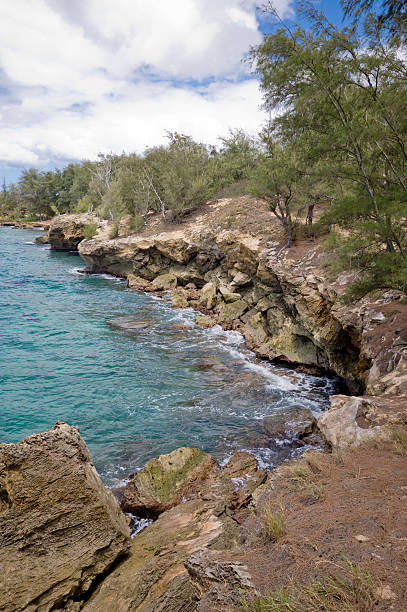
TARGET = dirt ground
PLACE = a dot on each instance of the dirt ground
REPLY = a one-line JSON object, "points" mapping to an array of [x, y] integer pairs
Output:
{"points": [[351, 506]]}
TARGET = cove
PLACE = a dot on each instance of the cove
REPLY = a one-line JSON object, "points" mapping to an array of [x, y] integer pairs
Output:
{"points": [[133, 395]]}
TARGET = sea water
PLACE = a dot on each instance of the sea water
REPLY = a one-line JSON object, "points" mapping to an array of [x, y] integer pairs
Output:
{"points": [[133, 395]]}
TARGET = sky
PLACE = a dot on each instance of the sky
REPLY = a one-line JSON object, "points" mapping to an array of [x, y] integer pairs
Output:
{"points": [[79, 77]]}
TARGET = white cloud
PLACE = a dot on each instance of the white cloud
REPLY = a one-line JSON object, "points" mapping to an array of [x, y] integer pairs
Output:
{"points": [[83, 77]]}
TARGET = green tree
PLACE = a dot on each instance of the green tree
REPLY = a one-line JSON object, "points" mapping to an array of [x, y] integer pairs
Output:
{"points": [[341, 109]]}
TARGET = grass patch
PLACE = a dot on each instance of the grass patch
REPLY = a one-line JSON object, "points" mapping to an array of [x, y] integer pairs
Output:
{"points": [[273, 522], [306, 477], [349, 589], [400, 441]]}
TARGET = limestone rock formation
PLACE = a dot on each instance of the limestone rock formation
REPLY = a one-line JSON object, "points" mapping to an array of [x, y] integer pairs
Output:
{"points": [[220, 583], [353, 420], [67, 231], [60, 528], [43, 239], [165, 481], [283, 301], [177, 564], [154, 578]]}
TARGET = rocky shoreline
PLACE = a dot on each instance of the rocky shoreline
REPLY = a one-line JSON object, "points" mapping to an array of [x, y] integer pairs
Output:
{"points": [[197, 554]]}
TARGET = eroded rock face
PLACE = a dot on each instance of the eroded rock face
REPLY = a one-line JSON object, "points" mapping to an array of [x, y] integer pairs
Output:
{"points": [[67, 231], [177, 564], [59, 527], [165, 481], [221, 584], [281, 300]]}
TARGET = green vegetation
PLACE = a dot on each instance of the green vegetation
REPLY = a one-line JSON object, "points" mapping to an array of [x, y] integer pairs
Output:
{"points": [[273, 522], [89, 230], [350, 588], [331, 160], [400, 441]]}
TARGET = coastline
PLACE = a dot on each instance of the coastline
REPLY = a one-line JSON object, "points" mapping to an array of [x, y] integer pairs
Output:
{"points": [[210, 552]]}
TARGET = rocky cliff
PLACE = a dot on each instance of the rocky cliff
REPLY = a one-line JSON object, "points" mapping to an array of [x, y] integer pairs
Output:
{"points": [[283, 301], [65, 232]]}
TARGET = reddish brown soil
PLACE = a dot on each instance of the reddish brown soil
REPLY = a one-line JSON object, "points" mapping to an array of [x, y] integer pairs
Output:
{"points": [[363, 493]]}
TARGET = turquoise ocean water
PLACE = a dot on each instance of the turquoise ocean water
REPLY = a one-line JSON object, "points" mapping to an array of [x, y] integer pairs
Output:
{"points": [[137, 395]]}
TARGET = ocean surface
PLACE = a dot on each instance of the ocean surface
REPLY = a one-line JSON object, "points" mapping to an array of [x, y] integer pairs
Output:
{"points": [[133, 395]]}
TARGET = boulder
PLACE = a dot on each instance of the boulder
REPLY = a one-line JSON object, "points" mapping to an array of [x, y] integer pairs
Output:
{"points": [[208, 295], [60, 529], [205, 321], [297, 422], [179, 301], [164, 282], [165, 481], [220, 583], [240, 280], [67, 231], [179, 563], [232, 311], [43, 239], [350, 421], [153, 576], [138, 283]]}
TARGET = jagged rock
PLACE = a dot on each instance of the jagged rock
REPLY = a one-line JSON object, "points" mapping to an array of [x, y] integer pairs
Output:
{"points": [[60, 528], [240, 280], [229, 312], [153, 577], [221, 584], [231, 297], [353, 420], [179, 301], [67, 231], [296, 422], [138, 283], [205, 321], [304, 323], [43, 239], [164, 282], [208, 295], [255, 330], [165, 481], [160, 574]]}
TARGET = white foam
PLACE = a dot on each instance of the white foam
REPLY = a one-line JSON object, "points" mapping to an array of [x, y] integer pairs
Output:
{"points": [[138, 524], [77, 272]]}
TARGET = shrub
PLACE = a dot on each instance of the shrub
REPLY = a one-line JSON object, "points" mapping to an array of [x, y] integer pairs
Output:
{"points": [[89, 230]]}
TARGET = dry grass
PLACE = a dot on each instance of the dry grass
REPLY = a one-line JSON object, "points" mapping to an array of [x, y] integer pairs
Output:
{"points": [[348, 588], [400, 441], [273, 522], [306, 476]]}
